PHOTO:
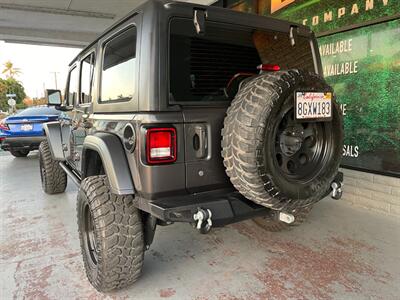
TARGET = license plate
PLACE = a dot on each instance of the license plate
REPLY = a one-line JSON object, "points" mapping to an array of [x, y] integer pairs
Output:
{"points": [[26, 127], [315, 106]]}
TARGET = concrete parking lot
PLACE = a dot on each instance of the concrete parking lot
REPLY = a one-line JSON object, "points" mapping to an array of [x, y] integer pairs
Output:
{"points": [[341, 252]]}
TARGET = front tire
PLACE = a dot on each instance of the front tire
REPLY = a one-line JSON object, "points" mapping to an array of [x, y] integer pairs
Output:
{"points": [[111, 235], [53, 177], [19, 153]]}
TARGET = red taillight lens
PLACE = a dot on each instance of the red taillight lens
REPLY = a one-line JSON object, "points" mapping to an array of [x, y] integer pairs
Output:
{"points": [[268, 67], [161, 145], [4, 126]]}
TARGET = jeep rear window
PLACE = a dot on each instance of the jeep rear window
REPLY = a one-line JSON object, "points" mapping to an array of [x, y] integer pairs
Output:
{"points": [[118, 71], [201, 66]]}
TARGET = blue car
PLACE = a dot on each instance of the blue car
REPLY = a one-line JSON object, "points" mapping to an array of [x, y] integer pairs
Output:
{"points": [[23, 132]]}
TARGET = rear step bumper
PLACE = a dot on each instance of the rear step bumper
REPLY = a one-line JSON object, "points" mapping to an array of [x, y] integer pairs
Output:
{"points": [[226, 206]]}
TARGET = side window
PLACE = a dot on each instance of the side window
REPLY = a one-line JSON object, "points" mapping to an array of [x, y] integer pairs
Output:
{"points": [[118, 71], [72, 95], [87, 71]]}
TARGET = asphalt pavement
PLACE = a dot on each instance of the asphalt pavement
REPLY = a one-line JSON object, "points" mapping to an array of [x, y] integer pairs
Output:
{"points": [[341, 252]]}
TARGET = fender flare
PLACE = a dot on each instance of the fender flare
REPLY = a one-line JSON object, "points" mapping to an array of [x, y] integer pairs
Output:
{"points": [[113, 157], [54, 139]]}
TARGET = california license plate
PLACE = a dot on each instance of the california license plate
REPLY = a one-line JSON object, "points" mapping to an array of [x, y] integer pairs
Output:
{"points": [[313, 106], [26, 127]]}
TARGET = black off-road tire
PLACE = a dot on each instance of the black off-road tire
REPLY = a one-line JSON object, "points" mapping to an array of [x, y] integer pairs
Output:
{"points": [[53, 177], [249, 139], [274, 225], [19, 153], [113, 245]]}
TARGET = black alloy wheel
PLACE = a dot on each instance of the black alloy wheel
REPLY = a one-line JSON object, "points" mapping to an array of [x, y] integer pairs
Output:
{"points": [[301, 149], [90, 245]]}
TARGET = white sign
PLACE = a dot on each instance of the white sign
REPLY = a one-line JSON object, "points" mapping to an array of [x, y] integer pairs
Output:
{"points": [[10, 95], [11, 102]]}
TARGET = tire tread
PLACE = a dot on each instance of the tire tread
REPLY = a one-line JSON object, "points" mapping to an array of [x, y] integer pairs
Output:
{"points": [[243, 135], [118, 231], [55, 180]]}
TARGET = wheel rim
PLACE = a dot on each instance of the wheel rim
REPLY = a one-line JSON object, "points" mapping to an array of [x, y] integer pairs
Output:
{"points": [[300, 149], [89, 237]]}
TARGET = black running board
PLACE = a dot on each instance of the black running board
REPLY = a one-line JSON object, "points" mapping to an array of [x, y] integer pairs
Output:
{"points": [[70, 174]]}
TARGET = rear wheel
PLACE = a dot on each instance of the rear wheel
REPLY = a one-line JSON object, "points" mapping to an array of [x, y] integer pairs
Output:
{"points": [[53, 177], [111, 235], [19, 153]]}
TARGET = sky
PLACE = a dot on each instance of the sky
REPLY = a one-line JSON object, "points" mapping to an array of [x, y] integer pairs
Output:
{"points": [[38, 64]]}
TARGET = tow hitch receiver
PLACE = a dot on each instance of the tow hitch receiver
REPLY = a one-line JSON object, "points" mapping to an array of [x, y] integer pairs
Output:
{"points": [[285, 217]]}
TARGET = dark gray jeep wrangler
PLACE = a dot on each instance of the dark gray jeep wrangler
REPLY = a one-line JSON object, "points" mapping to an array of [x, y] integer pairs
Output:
{"points": [[187, 113]]}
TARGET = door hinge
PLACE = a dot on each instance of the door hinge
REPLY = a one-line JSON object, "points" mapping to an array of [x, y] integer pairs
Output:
{"points": [[293, 34], [199, 20]]}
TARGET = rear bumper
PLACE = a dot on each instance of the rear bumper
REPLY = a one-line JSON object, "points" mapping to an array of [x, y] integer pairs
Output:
{"points": [[226, 206], [22, 143]]}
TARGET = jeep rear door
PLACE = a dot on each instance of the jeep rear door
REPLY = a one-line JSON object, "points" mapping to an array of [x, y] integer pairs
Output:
{"points": [[206, 60], [201, 67]]}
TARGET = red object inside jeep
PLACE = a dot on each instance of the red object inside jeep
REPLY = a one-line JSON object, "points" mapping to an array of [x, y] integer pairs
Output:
{"points": [[268, 67]]}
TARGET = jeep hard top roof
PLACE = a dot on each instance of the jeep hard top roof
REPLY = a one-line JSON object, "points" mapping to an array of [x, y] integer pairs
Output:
{"points": [[230, 16]]}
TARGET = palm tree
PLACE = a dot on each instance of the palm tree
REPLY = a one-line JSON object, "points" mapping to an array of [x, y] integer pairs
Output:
{"points": [[10, 71]]}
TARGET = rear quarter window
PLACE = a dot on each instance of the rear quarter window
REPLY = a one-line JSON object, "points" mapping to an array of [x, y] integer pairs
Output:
{"points": [[118, 70]]}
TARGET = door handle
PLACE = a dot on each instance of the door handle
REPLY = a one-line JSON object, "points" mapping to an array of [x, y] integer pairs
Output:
{"points": [[200, 141]]}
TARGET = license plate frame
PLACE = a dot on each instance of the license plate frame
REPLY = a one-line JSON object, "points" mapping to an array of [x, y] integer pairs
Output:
{"points": [[26, 127], [316, 106]]}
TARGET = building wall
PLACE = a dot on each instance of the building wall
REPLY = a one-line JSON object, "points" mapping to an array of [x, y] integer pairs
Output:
{"points": [[375, 192], [364, 37]]}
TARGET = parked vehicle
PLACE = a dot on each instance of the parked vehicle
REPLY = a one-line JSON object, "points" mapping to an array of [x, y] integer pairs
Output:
{"points": [[189, 113], [23, 132]]}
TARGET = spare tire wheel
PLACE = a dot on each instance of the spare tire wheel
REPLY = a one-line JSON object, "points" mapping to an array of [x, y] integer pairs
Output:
{"points": [[272, 159]]}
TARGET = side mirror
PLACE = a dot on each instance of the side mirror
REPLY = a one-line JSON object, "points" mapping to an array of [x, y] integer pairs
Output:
{"points": [[53, 97]]}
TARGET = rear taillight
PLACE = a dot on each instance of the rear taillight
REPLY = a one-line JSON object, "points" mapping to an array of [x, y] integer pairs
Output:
{"points": [[4, 126], [161, 145]]}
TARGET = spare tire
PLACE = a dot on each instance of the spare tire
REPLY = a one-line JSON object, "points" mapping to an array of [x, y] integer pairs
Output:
{"points": [[272, 159]]}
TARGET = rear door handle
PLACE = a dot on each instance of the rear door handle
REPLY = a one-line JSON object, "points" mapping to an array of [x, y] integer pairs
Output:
{"points": [[200, 141]]}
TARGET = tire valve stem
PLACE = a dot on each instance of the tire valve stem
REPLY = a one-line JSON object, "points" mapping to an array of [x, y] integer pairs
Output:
{"points": [[285, 217]]}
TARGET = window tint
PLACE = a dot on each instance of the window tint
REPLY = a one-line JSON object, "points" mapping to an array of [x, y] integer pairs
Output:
{"points": [[203, 67], [72, 87], [118, 73], [87, 71], [39, 111]]}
